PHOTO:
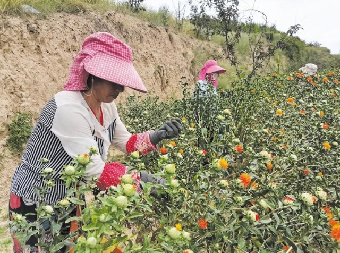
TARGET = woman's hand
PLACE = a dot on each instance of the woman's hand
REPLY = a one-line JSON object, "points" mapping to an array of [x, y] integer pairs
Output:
{"points": [[168, 130]]}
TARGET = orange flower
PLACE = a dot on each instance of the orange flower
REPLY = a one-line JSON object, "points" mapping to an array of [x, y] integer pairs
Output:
{"points": [[163, 150], [286, 248], [306, 172], [239, 148], [252, 91], [290, 100], [302, 111], [336, 81], [290, 78], [325, 126], [321, 113], [330, 73], [299, 75], [314, 84], [282, 130], [172, 143], [333, 95], [180, 151], [274, 75], [254, 185], [326, 209], [326, 145], [117, 250], [274, 139], [320, 174], [309, 79], [335, 233], [270, 165], [333, 223], [325, 79], [203, 224], [279, 112], [245, 179]]}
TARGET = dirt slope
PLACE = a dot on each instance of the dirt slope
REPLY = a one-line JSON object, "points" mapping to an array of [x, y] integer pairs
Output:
{"points": [[36, 55]]}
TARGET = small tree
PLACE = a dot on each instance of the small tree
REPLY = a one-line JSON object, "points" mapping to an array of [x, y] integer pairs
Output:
{"points": [[135, 5]]}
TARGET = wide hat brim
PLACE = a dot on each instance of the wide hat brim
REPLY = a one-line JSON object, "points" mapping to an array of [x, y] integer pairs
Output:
{"points": [[114, 69], [215, 69]]}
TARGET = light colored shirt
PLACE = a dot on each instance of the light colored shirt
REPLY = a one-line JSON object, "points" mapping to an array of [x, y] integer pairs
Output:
{"points": [[66, 128]]}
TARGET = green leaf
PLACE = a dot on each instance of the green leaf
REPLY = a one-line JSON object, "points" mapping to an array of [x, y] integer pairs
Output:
{"points": [[145, 207], [75, 218], [56, 247], [241, 243], [89, 227], [266, 221], [76, 201], [134, 215]]}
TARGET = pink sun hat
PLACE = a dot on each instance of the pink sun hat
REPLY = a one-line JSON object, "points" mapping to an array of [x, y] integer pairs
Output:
{"points": [[106, 57], [209, 67]]}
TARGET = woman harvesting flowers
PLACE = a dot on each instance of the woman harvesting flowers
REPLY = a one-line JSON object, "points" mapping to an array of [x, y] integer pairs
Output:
{"points": [[83, 115]]}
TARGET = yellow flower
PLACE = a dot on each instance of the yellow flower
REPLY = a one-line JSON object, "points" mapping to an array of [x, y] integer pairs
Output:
{"points": [[222, 163], [268, 78], [326, 145], [178, 226], [279, 112], [192, 125], [183, 119], [320, 174], [321, 113], [290, 78]]}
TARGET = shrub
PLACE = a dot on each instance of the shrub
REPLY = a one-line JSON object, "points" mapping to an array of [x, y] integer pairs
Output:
{"points": [[19, 132]]}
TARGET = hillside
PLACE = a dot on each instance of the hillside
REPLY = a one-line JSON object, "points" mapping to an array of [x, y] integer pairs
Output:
{"points": [[36, 55]]}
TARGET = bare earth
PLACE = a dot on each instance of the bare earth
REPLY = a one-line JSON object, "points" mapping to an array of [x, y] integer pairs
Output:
{"points": [[36, 55]]}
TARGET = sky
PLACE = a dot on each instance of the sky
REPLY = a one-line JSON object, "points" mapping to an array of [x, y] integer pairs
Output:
{"points": [[320, 19]]}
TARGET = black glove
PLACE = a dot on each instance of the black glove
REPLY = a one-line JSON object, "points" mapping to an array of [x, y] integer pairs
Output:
{"points": [[168, 130], [149, 178]]}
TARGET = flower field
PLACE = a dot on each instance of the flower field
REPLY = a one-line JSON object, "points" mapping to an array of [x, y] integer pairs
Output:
{"points": [[255, 169]]}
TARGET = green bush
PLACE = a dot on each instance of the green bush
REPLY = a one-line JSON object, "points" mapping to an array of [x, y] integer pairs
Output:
{"points": [[19, 132]]}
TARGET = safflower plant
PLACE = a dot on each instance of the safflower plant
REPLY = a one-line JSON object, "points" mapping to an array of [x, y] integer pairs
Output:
{"points": [[255, 169]]}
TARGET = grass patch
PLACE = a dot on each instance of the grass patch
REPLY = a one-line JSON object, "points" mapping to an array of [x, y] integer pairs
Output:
{"points": [[49, 6]]}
